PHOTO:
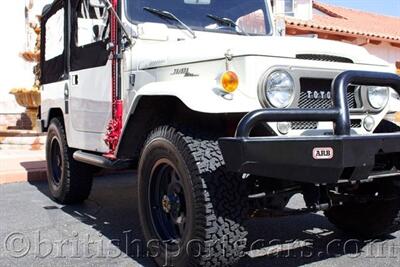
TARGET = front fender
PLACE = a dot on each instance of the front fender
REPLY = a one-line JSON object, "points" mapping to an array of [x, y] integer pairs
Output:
{"points": [[154, 100], [200, 95]]}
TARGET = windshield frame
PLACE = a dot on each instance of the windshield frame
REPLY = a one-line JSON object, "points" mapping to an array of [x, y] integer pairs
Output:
{"points": [[268, 21]]}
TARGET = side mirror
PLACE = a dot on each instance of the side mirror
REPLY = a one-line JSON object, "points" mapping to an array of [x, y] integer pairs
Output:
{"points": [[153, 31], [98, 3]]}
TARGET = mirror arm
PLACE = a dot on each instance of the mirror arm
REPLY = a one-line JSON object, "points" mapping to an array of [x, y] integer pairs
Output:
{"points": [[110, 7]]}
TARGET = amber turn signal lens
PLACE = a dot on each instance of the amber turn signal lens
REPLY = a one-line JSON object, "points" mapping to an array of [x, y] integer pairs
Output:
{"points": [[230, 81], [397, 117]]}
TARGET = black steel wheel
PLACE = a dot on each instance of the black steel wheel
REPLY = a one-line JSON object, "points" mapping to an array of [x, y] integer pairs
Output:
{"points": [[56, 161], [188, 202], [167, 201], [69, 181]]}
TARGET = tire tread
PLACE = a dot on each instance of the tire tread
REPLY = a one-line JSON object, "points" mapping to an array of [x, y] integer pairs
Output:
{"points": [[77, 178], [219, 196]]}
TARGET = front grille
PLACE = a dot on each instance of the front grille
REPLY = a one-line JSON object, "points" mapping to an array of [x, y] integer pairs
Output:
{"points": [[355, 124], [304, 125], [305, 102], [321, 101], [312, 125], [315, 94], [326, 58]]}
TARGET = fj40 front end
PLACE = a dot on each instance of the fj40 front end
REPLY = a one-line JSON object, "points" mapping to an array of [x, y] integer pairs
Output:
{"points": [[223, 120]]}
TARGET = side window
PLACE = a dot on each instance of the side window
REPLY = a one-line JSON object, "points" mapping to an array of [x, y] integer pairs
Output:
{"points": [[289, 7], [92, 24], [52, 43], [90, 35], [55, 35]]}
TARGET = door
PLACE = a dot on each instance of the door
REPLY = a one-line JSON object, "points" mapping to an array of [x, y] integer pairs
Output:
{"points": [[53, 67], [90, 68]]}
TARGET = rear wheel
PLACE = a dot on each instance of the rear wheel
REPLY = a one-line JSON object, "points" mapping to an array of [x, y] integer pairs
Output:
{"points": [[188, 202], [373, 212], [69, 181]]}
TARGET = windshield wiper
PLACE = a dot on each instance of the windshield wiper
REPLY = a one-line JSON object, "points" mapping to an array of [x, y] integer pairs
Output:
{"points": [[227, 22], [169, 15]]}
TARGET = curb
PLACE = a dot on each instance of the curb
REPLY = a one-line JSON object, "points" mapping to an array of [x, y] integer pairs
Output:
{"points": [[40, 175], [18, 166], [22, 166], [23, 176]]}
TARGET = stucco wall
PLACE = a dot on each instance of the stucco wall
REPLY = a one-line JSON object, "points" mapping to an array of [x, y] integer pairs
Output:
{"points": [[302, 9], [385, 51], [14, 72]]}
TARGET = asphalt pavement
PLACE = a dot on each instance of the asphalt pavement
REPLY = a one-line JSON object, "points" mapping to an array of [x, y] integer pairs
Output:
{"points": [[105, 231]]}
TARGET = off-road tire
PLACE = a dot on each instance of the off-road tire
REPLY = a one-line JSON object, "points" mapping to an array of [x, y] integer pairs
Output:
{"points": [[75, 179], [372, 218], [217, 199]]}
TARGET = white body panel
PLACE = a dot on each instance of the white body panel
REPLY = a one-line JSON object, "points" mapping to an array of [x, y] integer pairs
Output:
{"points": [[90, 99], [206, 88], [210, 46], [53, 97], [90, 108], [204, 93]]}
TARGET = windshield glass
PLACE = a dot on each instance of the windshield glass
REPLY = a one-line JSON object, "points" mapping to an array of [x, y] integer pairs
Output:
{"points": [[250, 16]]}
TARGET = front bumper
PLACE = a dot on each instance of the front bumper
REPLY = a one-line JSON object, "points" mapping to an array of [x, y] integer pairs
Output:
{"points": [[317, 159]]}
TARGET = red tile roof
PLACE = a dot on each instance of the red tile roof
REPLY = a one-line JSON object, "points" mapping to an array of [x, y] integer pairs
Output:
{"points": [[346, 21]]}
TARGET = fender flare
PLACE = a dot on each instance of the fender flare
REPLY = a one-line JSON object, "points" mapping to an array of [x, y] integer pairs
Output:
{"points": [[199, 95]]}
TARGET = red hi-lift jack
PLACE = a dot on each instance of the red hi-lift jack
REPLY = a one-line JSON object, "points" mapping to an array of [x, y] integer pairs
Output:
{"points": [[109, 159], [115, 125]]}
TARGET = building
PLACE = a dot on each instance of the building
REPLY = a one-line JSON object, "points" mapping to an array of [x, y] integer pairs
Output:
{"points": [[16, 38], [379, 34]]}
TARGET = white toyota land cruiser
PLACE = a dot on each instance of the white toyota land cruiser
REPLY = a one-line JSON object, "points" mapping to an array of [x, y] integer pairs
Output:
{"points": [[223, 120]]}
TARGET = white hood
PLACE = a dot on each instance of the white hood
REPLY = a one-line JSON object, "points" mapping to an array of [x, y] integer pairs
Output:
{"points": [[206, 48]]}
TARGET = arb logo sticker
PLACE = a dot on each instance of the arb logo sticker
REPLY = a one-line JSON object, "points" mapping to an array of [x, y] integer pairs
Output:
{"points": [[323, 153]]}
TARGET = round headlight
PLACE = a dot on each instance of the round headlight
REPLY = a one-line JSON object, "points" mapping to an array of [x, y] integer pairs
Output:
{"points": [[378, 96], [279, 89]]}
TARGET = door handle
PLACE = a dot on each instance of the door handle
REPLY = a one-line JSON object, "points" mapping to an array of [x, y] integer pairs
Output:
{"points": [[66, 91], [66, 98]]}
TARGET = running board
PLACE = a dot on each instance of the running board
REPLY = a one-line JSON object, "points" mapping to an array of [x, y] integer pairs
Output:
{"points": [[102, 162]]}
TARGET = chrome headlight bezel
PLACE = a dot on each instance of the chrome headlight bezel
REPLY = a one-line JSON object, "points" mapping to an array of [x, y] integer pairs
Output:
{"points": [[265, 86], [373, 102]]}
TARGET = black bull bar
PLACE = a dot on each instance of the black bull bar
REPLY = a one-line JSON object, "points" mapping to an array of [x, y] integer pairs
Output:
{"points": [[343, 156]]}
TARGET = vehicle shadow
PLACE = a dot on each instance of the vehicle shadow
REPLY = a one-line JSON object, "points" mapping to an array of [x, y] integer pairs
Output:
{"points": [[288, 241], [112, 211], [301, 240]]}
